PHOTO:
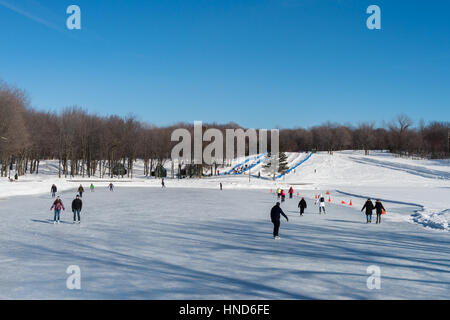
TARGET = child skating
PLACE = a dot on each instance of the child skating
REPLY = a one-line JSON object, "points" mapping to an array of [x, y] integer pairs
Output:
{"points": [[57, 206]]}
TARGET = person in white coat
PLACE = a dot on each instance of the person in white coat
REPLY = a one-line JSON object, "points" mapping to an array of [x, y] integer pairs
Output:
{"points": [[321, 202]]}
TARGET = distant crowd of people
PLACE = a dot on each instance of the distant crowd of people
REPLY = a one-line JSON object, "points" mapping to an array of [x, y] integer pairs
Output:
{"points": [[240, 169]]}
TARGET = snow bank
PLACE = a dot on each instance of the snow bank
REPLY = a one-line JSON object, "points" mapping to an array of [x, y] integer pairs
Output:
{"points": [[435, 220]]}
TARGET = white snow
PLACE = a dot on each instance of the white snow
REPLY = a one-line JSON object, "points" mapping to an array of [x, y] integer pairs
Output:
{"points": [[438, 220]]}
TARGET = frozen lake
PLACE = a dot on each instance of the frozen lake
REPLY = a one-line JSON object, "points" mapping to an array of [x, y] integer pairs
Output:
{"points": [[148, 243]]}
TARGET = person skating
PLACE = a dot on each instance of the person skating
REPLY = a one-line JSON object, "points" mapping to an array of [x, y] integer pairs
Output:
{"points": [[80, 191], [369, 208], [379, 209], [291, 192], [57, 205], [92, 187], [111, 187], [321, 201], [53, 190], [163, 185], [279, 193], [275, 215], [77, 205], [283, 196], [302, 205], [221, 186]]}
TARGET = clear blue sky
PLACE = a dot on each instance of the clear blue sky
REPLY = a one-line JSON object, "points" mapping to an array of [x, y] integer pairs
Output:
{"points": [[259, 63]]}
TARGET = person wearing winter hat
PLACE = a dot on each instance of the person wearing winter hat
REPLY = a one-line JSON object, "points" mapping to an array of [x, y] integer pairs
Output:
{"points": [[77, 205]]}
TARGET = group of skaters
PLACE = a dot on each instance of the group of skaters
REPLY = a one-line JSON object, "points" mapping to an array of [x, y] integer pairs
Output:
{"points": [[302, 205], [77, 203], [281, 194], [54, 189], [58, 206], [276, 211]]}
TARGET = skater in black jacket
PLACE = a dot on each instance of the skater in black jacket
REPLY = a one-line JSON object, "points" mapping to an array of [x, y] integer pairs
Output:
{"points": [[302, 205], [369, 208], [53, 190], [77, 205], [379, 209], [80, 191], [275, 215]]}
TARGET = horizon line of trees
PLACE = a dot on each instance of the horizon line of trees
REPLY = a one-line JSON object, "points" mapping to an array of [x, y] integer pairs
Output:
{"points": [[87, 144]]}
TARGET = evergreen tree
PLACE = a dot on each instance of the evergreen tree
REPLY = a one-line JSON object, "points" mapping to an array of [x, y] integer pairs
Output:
{"points": [[282, 163]]}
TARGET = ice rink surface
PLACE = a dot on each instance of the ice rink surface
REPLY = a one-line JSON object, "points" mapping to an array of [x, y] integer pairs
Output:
{"points": [[181, 243]]}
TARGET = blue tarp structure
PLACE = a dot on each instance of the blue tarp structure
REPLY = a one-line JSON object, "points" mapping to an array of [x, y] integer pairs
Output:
{"points": [[258, 158], [293, 168]]}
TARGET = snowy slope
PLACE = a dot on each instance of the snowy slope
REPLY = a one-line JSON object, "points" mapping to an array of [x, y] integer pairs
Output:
{"points": [[378, 169], [424, 183]]}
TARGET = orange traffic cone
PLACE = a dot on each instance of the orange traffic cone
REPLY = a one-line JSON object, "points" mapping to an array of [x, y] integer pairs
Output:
{"points": [[351, 204], [316, 196], [343, 202], [328, 192], [329, 199]]}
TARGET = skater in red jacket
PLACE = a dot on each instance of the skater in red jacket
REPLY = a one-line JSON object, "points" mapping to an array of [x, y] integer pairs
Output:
{"points": [[291, 192], [283, 196], [57, 205]]}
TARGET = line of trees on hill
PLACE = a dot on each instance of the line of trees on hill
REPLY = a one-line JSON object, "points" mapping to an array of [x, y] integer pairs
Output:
{"points": [[399, 136], [87, 144]]}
